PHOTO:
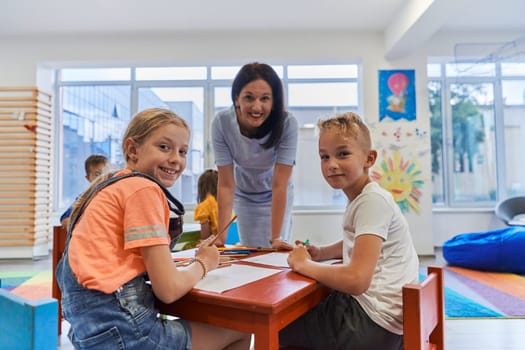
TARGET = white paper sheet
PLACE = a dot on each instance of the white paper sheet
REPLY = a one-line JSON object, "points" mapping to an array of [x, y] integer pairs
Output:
{"points": [[236, 275], [271, 259], [280, 259], [331, 261]]}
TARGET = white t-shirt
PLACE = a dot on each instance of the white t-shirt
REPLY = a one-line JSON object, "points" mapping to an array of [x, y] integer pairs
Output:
{"points": [[374, 211]]}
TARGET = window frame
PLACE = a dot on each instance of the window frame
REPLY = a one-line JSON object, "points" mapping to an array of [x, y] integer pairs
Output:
{"points": [[208, 86], [447, 166]]}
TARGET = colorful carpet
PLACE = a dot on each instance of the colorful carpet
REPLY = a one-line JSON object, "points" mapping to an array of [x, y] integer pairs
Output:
{"points": [[478, 294], [468, 293], [31, 285]]}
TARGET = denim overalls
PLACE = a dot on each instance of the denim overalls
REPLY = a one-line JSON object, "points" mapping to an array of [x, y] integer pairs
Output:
{"points": [[125, 319]]}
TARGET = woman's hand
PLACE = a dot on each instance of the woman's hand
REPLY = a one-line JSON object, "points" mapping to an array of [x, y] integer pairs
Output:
{"points": [[279, 244]]}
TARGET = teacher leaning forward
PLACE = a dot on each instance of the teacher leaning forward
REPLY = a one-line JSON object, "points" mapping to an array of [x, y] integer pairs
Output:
{"points": [[255, 145]]}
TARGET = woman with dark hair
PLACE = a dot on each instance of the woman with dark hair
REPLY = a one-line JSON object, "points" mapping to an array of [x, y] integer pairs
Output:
{"points": [[255, 144]]}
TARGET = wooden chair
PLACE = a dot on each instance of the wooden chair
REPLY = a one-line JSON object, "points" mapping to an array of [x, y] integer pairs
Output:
{"points": [[59, 244], [423, 312]]}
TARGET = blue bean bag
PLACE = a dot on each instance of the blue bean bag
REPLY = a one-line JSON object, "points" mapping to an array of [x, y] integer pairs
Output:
{"points": [[501, 250]]}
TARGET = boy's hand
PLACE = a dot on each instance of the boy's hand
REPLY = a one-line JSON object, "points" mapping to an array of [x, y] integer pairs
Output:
{"points": [[297, 257], [313, 250]]}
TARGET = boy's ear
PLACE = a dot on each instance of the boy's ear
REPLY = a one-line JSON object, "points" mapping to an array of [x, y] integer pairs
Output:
{"points": [[371, 158]]}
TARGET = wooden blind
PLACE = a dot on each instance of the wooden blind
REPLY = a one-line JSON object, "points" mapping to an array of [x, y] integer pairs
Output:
{"points": [[26, 123]]}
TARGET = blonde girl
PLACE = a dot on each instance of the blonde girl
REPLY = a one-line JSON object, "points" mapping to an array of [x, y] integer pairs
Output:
{"points": [[117, 259]]}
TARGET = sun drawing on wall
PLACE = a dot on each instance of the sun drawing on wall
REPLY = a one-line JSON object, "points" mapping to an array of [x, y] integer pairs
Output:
{"points": [[402, 178]]}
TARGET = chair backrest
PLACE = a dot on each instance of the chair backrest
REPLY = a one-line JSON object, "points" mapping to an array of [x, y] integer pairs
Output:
{"points": [[233, 234], [59, 244], [424, 313], [508, 209]]}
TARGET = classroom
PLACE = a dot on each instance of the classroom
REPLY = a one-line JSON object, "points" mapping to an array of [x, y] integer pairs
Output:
{"points": [[110, 60]]}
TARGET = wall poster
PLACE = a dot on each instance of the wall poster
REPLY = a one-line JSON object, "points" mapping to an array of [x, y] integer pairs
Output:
{"points": [[397, 97]]}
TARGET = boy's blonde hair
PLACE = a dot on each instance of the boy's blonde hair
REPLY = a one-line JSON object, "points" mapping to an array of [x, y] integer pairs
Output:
{"points": [[350, 125], [147, 121]]}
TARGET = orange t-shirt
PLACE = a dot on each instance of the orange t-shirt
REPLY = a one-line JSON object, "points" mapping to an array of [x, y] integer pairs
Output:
{"points": [[208, 211], [104, 251]]}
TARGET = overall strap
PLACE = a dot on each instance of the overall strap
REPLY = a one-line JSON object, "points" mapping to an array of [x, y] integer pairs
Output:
{"points": [[174, 205]]}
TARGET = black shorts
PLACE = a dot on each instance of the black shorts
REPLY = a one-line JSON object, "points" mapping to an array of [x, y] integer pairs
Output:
{"points": [[338, 322]]}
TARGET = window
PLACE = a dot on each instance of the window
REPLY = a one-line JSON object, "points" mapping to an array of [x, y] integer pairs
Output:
{"points": [[96, 104], [477, 125], [93, 119], [314, 92]]}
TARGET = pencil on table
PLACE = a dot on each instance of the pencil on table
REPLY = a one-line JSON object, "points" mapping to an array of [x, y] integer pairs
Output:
{"points": [[235, 255]]}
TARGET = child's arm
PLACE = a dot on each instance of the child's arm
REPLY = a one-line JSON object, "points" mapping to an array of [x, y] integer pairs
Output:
{"points": [[169, 283], [205, 230], [353, 278], [330, 251]]}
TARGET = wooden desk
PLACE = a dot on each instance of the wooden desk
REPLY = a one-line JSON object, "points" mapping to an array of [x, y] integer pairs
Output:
{"points": [[262, 307]]}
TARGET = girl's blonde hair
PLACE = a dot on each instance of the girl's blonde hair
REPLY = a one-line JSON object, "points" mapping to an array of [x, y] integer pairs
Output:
{"points": [[348, 124], [147, 121], [139, 128], [207, 184]]}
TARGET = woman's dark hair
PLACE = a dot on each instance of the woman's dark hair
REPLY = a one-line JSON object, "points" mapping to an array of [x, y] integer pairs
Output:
{"points": [[207, 184], [273, 125]]}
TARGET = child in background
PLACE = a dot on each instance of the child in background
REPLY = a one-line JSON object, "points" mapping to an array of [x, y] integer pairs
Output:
{"points": [[365, 309], [207, 211], [120, 239], [95, 165]]}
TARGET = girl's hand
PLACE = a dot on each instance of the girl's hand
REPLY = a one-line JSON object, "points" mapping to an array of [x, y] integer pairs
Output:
{"points": [[219, 242], [210, 255], [313, 250]]}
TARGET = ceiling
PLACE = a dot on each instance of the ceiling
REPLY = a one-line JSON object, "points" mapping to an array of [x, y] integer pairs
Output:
{"points": [[403, 22]]}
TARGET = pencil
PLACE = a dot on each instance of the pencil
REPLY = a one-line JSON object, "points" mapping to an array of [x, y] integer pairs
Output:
{"points": [[236, 251], [235, 254], [224, 265], [246, 249], [226, 258], [181, 259], [223, 230]]}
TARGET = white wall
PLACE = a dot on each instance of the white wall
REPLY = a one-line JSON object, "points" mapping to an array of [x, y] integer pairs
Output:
{"points": [[21, 59]]}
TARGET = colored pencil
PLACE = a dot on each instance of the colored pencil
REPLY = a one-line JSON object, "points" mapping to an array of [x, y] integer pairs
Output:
{"points": [[224, 265], [223, 230]]}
